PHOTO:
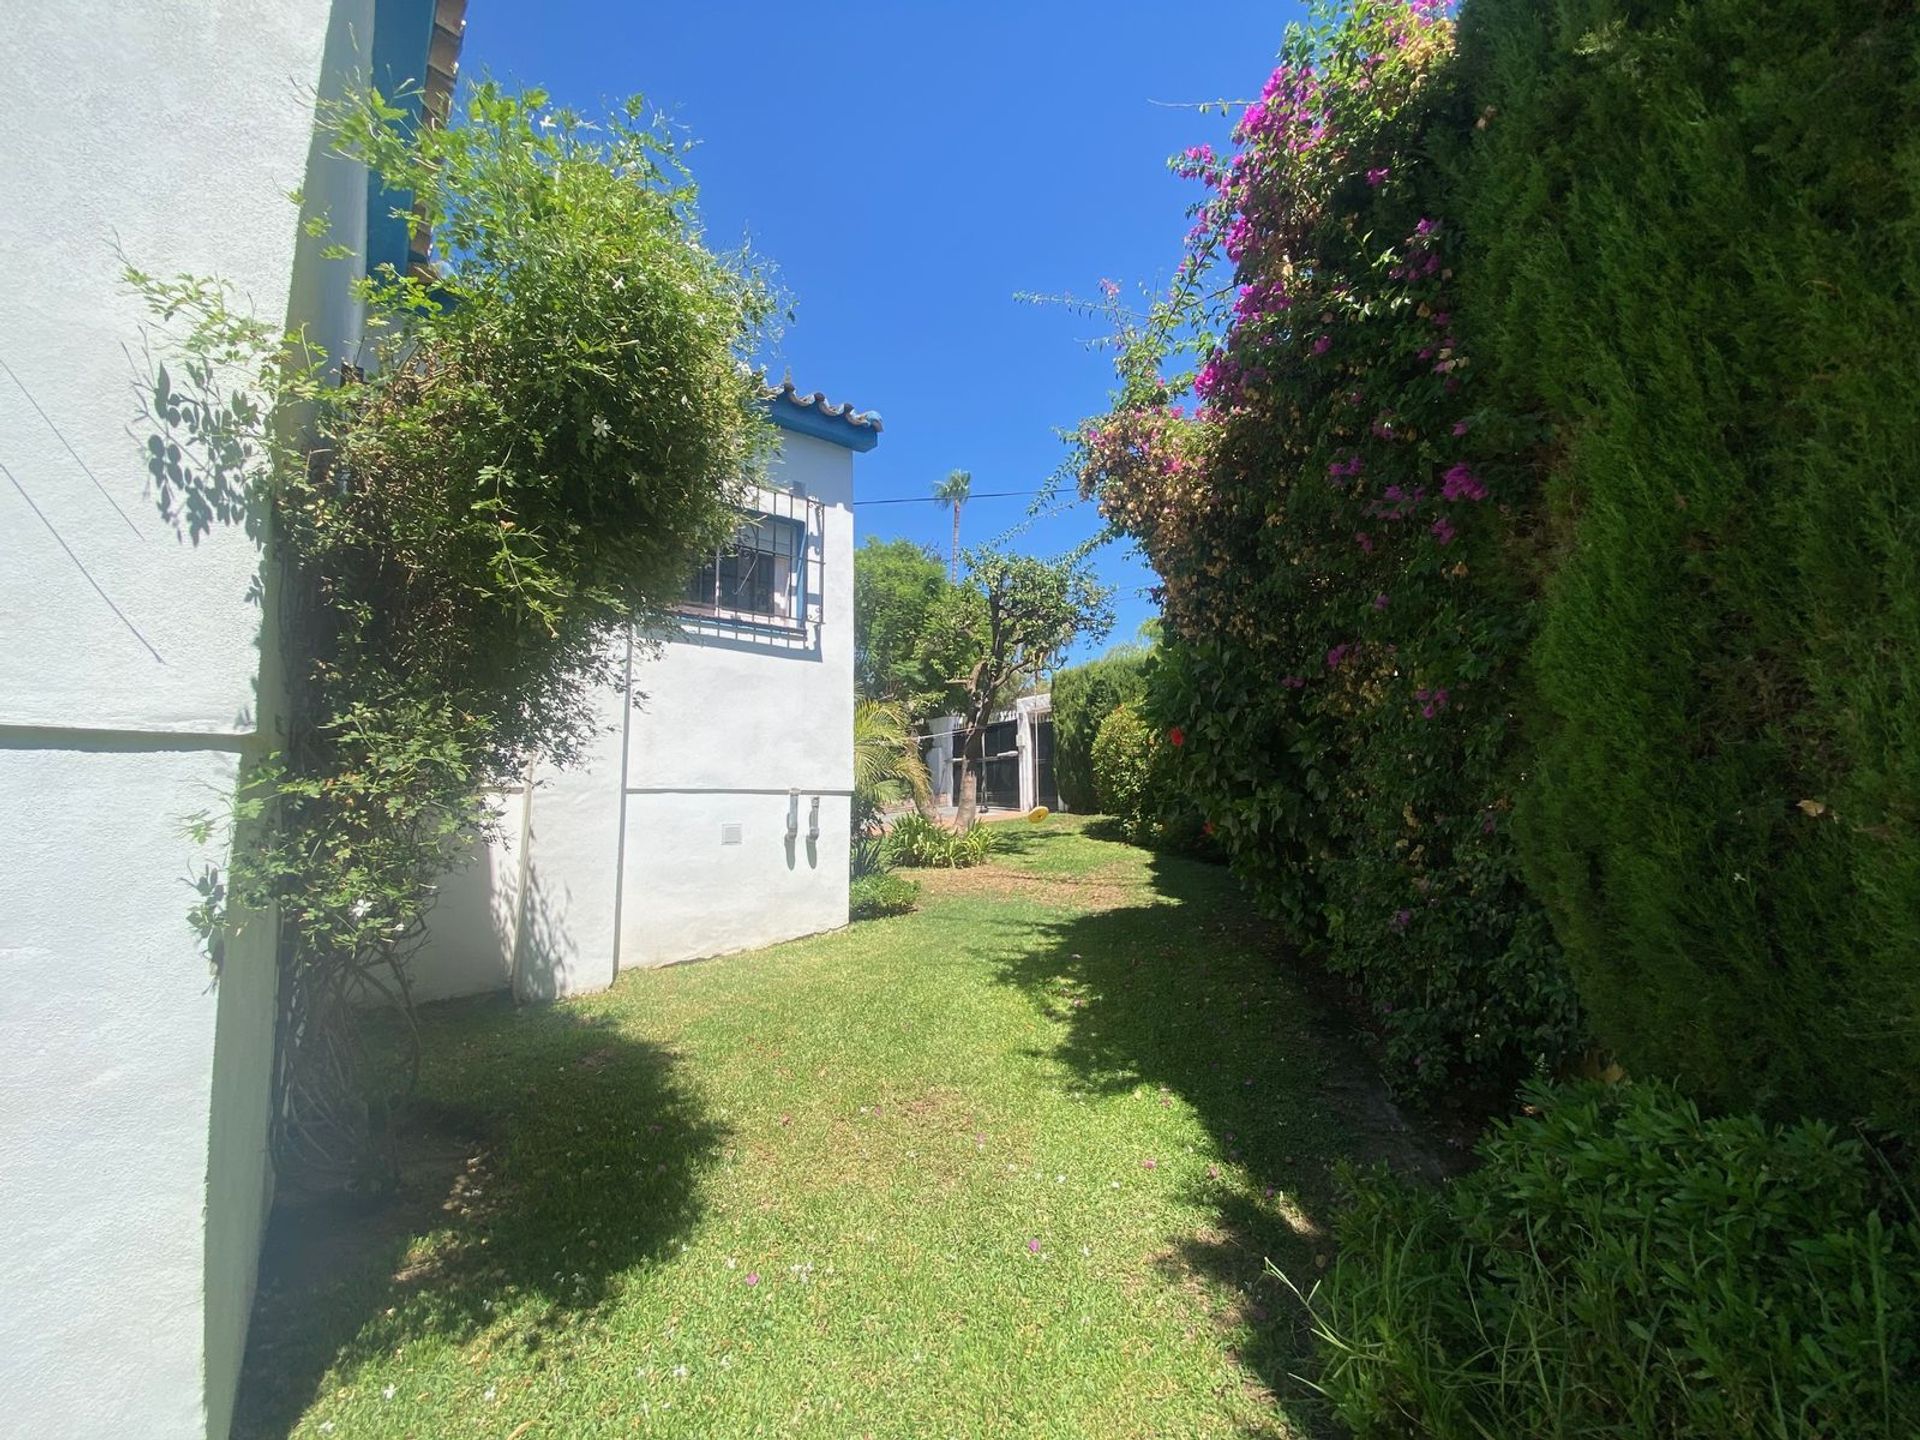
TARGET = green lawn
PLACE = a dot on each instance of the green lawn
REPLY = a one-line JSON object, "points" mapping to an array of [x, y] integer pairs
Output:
{"points": [[1007, 1166]]}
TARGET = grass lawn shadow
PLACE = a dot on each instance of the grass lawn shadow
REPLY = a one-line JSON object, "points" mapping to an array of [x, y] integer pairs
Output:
{"points": [[548, 1159], [1192, 1000]]}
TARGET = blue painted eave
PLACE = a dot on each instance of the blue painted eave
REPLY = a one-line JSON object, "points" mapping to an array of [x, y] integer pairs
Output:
{"points": [[858, 435]]}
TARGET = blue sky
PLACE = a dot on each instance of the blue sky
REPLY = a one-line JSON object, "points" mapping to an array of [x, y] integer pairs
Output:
{"points": [[909, 168]]}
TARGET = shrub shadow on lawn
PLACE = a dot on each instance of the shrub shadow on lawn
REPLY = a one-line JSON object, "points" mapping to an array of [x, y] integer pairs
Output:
{"points": [[1194, 995], [547, 1157]]}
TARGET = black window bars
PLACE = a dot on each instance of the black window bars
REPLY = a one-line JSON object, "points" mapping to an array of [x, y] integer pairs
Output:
{"points": [[767, 580]]}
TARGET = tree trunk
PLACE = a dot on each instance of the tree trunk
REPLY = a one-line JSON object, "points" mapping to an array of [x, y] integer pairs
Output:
{"points": [[953, 554], [967, 801]]}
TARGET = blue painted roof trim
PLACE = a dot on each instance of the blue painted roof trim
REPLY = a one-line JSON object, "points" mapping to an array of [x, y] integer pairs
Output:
{"points": [[835, 429], [402, 38]]}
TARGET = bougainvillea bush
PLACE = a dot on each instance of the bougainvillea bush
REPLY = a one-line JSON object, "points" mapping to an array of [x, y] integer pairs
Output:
{"points": [[1694, 247], [1343, 530]]}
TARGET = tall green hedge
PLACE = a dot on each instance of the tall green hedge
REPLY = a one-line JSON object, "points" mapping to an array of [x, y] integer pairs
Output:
{"points": [[1083, 697], [1694, 249]]}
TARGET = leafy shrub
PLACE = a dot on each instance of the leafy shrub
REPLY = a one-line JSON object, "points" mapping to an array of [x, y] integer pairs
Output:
{"points": [[1693, 252], [1341, 530], [1125, 756], [1138, 780], [874, 895], [1083, 697], [1621, 1267], [915, 841]]}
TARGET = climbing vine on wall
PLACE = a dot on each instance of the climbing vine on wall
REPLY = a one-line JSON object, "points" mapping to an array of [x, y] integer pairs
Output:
{"points": [[541, 436]]}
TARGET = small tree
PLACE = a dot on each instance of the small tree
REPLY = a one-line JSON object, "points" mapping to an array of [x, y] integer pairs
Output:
{"points": [[1007, 616], [896, 585]]}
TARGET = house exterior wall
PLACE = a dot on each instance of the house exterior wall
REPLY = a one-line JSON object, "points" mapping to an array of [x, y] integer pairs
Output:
{"points": [[134, 1082], [738, 732], [629, 858]]}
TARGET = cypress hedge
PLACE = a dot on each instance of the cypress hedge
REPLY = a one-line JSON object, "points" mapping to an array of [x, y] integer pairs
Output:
{"points": [[1694, 250]]}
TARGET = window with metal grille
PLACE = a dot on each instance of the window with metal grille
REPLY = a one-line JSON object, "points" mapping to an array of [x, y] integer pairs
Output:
{"points": [[760, 577]]}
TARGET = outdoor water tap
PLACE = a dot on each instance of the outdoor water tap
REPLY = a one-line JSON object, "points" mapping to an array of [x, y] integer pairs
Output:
{"points": [[793, 814], [813, 820]]}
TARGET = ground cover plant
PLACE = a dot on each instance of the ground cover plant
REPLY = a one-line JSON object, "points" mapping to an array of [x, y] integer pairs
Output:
{"points": [[1621, 1266], [884, 893], [1007, 1166], [915, 841]]}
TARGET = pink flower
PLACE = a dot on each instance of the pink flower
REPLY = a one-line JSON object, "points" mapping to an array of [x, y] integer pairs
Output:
{"points": [[753, 1278], [1443, 530], [1337, 654], [1364, 541], [1033, 1247], [1463, 484], [1293, 682], [1149, 1164], [1377, 177], [1380, 602], [1459, 427], [1322, 344]]}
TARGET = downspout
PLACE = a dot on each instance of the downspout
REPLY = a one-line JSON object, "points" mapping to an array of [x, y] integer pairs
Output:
{"points": [[620, 842], [515, 969]]}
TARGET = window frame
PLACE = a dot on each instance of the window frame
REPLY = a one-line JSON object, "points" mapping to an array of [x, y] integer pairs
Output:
{"points": [[712, 611]]}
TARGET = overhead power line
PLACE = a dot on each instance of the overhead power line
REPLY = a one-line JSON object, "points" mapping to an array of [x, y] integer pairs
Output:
{"points": [[930, 500]]}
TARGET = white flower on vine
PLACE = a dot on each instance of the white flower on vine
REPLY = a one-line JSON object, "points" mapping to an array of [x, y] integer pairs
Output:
{"points": [[601, 428]]}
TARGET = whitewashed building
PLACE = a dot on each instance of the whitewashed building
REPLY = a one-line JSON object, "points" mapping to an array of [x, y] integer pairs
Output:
{"points": [[1016, 772], [713, 813], [137, 676]]}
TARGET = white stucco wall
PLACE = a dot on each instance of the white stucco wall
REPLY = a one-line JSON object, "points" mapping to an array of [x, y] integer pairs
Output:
{"points": [[727, 730], [133, 1083], [626, 858]]}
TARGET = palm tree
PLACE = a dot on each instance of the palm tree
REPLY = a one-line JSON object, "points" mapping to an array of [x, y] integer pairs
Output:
{"points": [[886, 754], [954, 491]]}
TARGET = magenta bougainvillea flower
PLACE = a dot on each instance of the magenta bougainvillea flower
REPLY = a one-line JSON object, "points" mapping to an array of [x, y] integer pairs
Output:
{"points": [[1377, 176], [1462, 484]]}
